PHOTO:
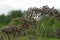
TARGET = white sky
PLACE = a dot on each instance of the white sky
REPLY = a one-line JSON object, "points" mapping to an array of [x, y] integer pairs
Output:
{"points": [[6, 5]]}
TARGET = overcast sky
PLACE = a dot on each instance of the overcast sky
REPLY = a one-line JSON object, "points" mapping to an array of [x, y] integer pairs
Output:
{"points": [[7, 5]]}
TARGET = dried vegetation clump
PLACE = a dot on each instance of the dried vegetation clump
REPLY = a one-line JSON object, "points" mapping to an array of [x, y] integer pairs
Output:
{"points": [[19, 29], [57, 33], [42, 11]]}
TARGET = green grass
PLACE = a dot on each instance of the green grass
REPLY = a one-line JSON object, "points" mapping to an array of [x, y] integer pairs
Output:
{"points": [[40, 38], [26, 38], [47, 38]]}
